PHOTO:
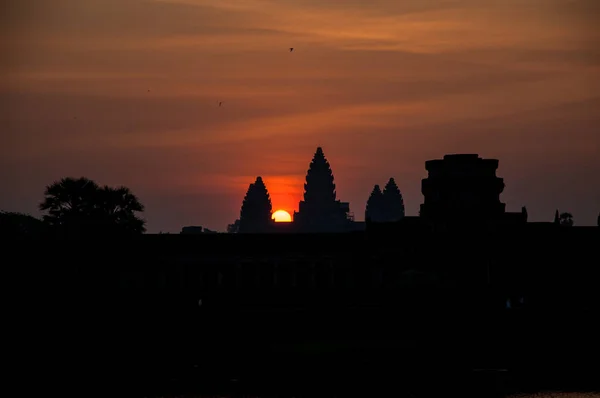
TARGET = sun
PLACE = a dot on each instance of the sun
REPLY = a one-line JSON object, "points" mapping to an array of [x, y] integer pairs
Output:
{"points": [[282, 216]]}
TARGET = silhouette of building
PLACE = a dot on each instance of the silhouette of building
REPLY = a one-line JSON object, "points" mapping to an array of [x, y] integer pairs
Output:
{"points": [[393, 203], [374, 209], [316, 283], [256, 212], [320, 211], [464, 188], [191, 230], [234, 228], [386, 206]]}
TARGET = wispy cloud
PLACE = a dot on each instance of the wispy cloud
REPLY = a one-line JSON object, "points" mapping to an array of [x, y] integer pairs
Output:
{"points": [[128, 91]]}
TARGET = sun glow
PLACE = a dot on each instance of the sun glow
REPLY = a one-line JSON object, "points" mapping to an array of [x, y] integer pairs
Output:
{"points": [[282, 216]]}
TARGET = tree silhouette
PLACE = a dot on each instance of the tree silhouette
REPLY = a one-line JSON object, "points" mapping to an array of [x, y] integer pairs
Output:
{"points": [[69, 203], [374, 210], [20, 224], [556, 217], [118, 207], [393, 201], [566, 219], [79, 206], [256, 212]]}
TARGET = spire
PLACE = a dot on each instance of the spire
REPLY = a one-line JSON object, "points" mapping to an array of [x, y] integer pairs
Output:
{"points": [[556, 217], [319, 188], [256, 212], [393, 201], [524, 212], [320, 211], [374, 210]]}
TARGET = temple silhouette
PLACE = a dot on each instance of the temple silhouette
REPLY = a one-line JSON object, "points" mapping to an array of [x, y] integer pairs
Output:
{"points": [[434, 299], [255, 215], [386, 206], [463, 189], [460, 190], [320, 211]]}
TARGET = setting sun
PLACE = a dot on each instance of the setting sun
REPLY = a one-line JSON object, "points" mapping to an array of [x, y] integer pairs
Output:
{"points": [[282, 216]]}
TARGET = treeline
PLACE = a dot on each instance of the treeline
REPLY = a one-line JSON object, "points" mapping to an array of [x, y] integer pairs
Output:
{"points": [[76, 207]]}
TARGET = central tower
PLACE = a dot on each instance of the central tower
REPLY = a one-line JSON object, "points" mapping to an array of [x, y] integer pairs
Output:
{"points": [[320, 211]]}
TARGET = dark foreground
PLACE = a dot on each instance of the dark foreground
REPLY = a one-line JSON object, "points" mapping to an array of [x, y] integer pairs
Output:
{"points": [[92, 316]]}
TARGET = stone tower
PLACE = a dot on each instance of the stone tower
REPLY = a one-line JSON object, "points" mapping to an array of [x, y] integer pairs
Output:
{"points": [[374, 209], [320, 211], [393, 203], [256, 212], [462, 188], [386, 206]]}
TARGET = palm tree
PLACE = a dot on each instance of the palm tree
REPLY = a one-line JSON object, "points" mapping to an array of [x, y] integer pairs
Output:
{"points": [[80, 206], [117, 207], [68, 203]]}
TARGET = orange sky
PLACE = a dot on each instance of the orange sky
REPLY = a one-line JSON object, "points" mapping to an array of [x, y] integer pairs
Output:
{"points": [[381, 85]]}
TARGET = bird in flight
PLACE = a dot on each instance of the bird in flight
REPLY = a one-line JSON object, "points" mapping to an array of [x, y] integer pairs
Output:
{"points": [[291, 49]]}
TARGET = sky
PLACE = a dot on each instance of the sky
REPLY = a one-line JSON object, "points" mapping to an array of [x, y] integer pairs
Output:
{"points": [[126, 92]]}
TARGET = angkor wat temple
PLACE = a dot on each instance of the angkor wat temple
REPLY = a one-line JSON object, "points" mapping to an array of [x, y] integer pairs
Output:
{"points": [[424, 299], [320, 211], [386, 206], [464, 188], [460, 190]]}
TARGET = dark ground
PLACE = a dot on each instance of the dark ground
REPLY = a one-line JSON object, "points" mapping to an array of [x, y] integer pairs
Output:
{"points": [[161, 352], [68, 328]]}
